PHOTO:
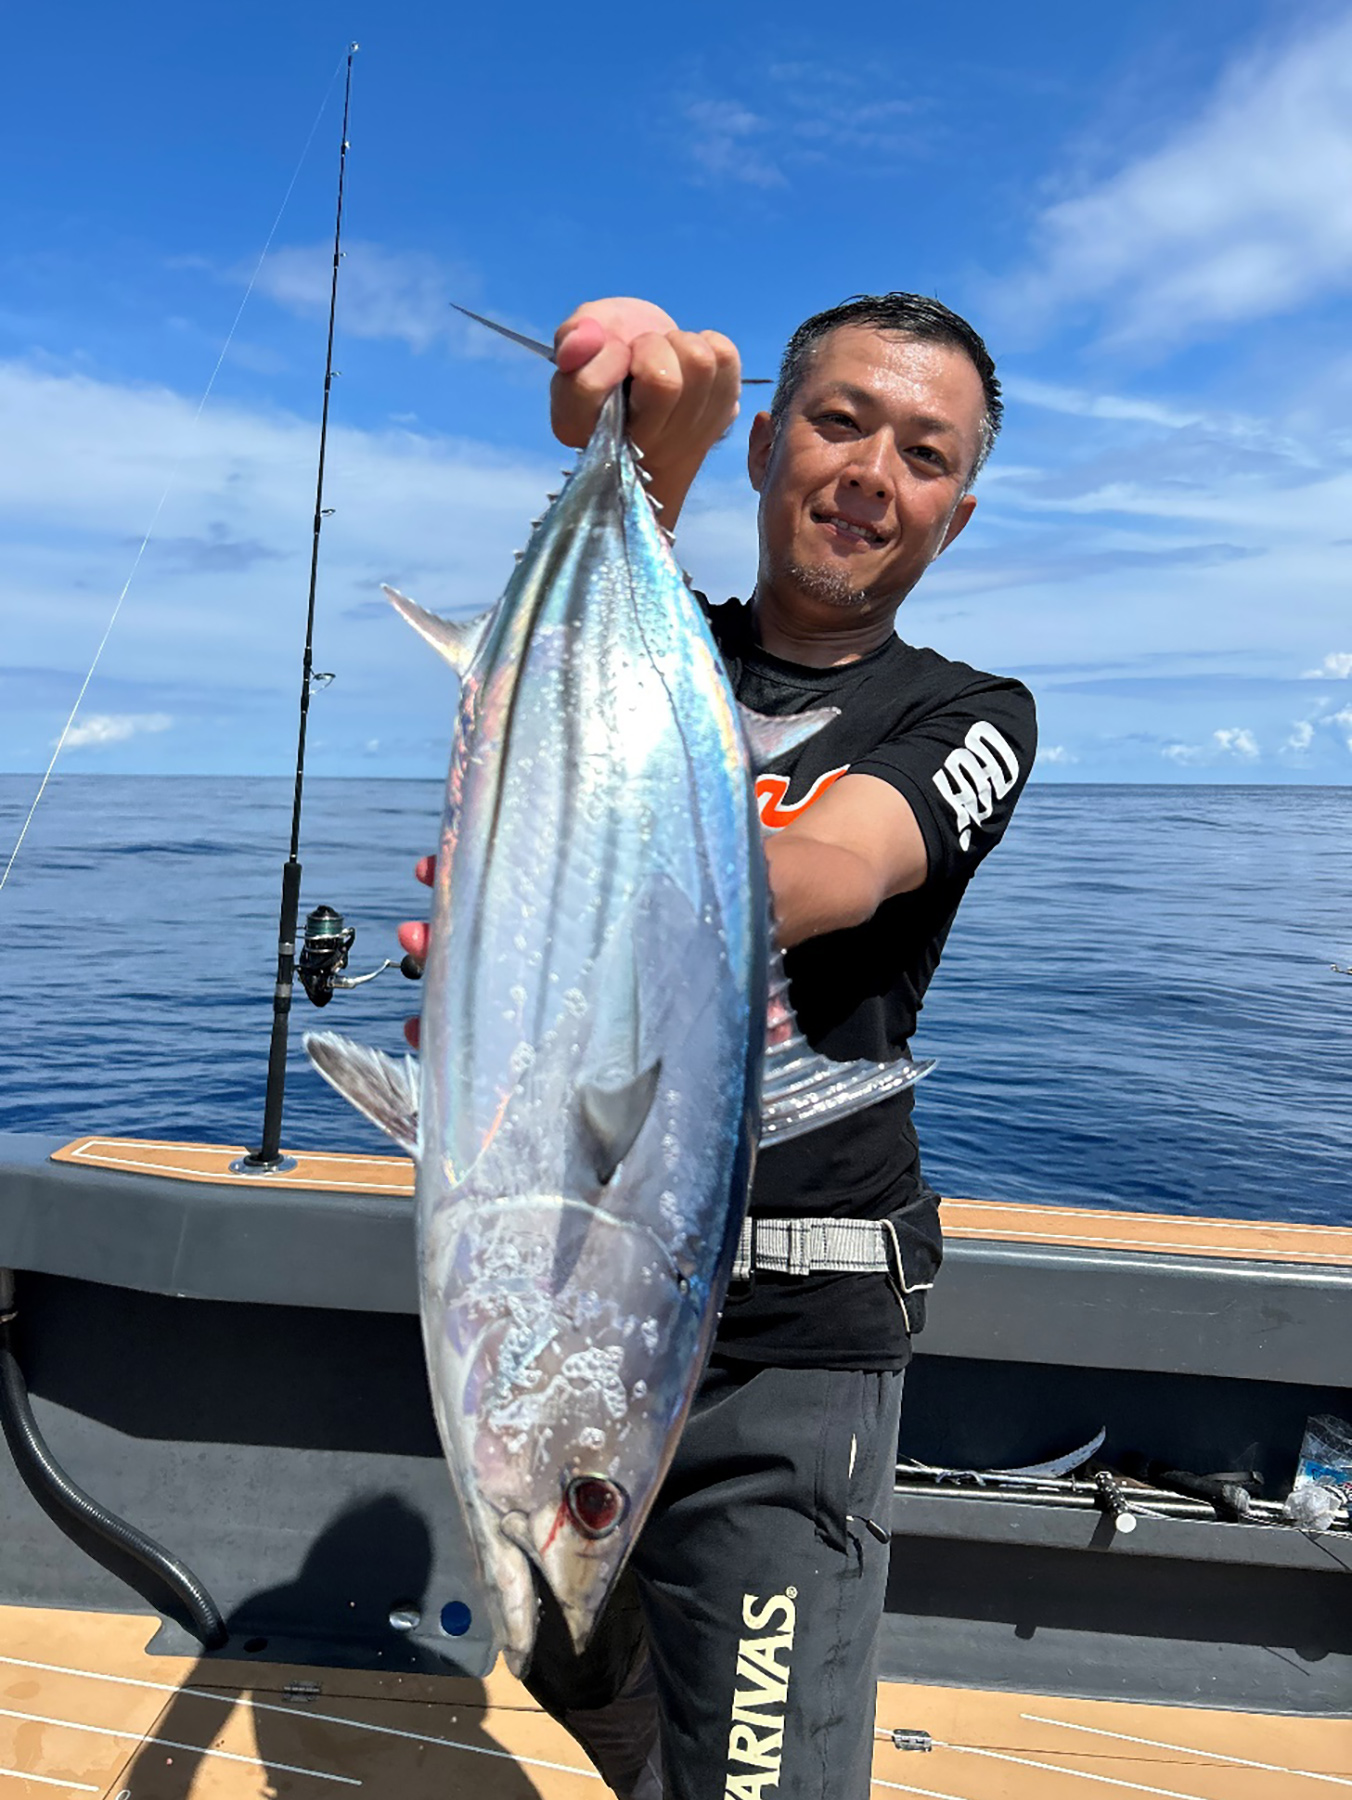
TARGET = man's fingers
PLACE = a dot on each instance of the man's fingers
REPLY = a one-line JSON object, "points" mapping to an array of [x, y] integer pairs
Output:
{"points": [[659, 380], [412, 936], [576, 341], [575, 400], [621, 316], [727, 383], [719, 388], [591, 354], [686, 392]]}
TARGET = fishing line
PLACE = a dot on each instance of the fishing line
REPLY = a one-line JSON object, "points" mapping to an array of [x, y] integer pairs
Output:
{"points": [[173, 479]]}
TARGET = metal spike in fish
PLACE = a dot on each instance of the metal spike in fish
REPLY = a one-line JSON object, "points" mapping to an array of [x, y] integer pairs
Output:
{"points": [[587, 1105], [547, 350]]}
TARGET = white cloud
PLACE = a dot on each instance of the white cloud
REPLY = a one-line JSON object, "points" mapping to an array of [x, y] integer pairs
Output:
{"points": [[1337, 665], [1237, 742], [723, 138], [402, 294], [1052, 397], [438, 516], [1343, 718], [1056, 753], [1229, 741], [1244, 213], [99, 730], [1302, 736]]}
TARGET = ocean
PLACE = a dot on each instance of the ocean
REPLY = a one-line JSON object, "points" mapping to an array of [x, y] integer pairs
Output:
{"points": [[1137, 1007]]}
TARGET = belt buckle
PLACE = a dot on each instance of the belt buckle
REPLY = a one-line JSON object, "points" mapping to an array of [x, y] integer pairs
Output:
{"points": [[744, 1285]]}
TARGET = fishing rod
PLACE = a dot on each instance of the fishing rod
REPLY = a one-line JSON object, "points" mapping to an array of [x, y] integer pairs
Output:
{"points": [[268, 1159]]}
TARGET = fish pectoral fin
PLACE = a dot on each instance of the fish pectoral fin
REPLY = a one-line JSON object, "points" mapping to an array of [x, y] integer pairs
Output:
{"points": [[801, 1089], [457, 640], [381, 1086], [769, 737], [614, 1116]]}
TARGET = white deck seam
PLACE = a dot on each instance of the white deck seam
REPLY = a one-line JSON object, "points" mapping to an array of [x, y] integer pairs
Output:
{"points": [[304, 1711], [1188, 1750], [81, 1787], [903, 1788], [146, 1740], [1029, 1762]]}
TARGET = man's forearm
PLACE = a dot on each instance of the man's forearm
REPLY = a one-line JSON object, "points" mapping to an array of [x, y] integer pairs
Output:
{"points": [[817, 887]]}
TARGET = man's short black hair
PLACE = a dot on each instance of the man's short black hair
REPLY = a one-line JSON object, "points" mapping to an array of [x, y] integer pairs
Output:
{"points": [[909, 315]]}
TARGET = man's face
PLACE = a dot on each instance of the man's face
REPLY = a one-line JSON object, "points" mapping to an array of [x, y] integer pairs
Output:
{"points": [[862, 484]]}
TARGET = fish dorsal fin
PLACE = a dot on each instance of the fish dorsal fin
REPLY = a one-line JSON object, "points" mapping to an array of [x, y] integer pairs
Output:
{"points": [[802, 1089], [769, 737], [381, 1086], [614, 1117], [457, 640]]}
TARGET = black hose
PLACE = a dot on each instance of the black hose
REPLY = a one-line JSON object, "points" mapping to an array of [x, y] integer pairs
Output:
{"points": [[49, 1481]]}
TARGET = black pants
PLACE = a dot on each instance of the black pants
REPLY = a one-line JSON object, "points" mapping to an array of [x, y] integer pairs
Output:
{"points": [[737, 1657]]}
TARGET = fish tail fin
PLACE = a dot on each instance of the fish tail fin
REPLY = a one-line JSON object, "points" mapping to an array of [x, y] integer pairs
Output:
{"points": [[381, 1086], [801, 1089]]}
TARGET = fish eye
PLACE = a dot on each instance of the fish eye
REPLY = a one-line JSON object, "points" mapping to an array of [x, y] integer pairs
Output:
{"points": [[595, 1504]]}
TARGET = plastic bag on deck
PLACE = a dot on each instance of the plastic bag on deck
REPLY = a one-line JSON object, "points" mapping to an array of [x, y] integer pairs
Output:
{"points": [[1323, 1485]]}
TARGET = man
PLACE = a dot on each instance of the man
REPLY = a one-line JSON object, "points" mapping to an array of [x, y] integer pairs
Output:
{"points": [[745, 1633]]}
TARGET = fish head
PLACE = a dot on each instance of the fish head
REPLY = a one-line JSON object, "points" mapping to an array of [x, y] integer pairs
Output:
{"points": [[559, 1372], [580, 1542]]}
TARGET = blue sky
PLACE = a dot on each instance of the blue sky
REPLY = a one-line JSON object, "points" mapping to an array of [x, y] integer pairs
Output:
{"points": [[1147, 209]]}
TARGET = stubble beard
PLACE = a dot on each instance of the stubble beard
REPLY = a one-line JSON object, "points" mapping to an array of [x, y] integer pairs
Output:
{"points": [[831, 586]]}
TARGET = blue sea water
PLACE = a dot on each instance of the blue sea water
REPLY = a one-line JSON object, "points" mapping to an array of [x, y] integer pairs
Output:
{"points": [[1137, 1006]]}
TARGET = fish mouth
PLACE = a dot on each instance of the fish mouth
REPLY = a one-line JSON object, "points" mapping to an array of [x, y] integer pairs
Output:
{"points": [[852, 530], [579, 1566]]}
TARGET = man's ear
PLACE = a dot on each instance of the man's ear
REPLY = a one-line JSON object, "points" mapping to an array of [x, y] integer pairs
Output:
{"points": [[758, 450], [958, 523]]}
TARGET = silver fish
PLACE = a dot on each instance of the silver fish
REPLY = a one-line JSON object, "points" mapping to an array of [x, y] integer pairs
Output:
{"points": [[589, 1098]]}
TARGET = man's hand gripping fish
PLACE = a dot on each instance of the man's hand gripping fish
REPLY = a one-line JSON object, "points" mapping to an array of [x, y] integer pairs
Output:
{"points": [[594, 1075]]}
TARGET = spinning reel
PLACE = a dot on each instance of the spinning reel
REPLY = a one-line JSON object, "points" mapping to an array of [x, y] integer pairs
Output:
{"points": [[323, 957]]}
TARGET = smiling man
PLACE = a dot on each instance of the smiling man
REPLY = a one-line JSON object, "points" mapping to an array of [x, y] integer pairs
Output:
{"points": [[738, 1658]]}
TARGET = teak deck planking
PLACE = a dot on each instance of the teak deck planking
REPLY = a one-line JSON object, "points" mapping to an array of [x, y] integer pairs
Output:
{"points": [[83, 1710]]}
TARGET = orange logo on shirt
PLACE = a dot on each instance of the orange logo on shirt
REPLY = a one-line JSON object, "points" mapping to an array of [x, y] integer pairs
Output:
{"points": [[770, 792]]}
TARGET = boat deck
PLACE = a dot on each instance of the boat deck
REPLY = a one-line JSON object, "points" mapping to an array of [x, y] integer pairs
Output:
{"points": [[83, 1710], [994, 1221]]}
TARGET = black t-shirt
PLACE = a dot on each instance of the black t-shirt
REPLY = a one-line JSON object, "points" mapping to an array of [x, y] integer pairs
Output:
{"points": [[958, 745]]}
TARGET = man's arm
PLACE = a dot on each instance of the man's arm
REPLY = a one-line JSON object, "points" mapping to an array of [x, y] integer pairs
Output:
{"points": [[685, 392], [835, 865]]}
